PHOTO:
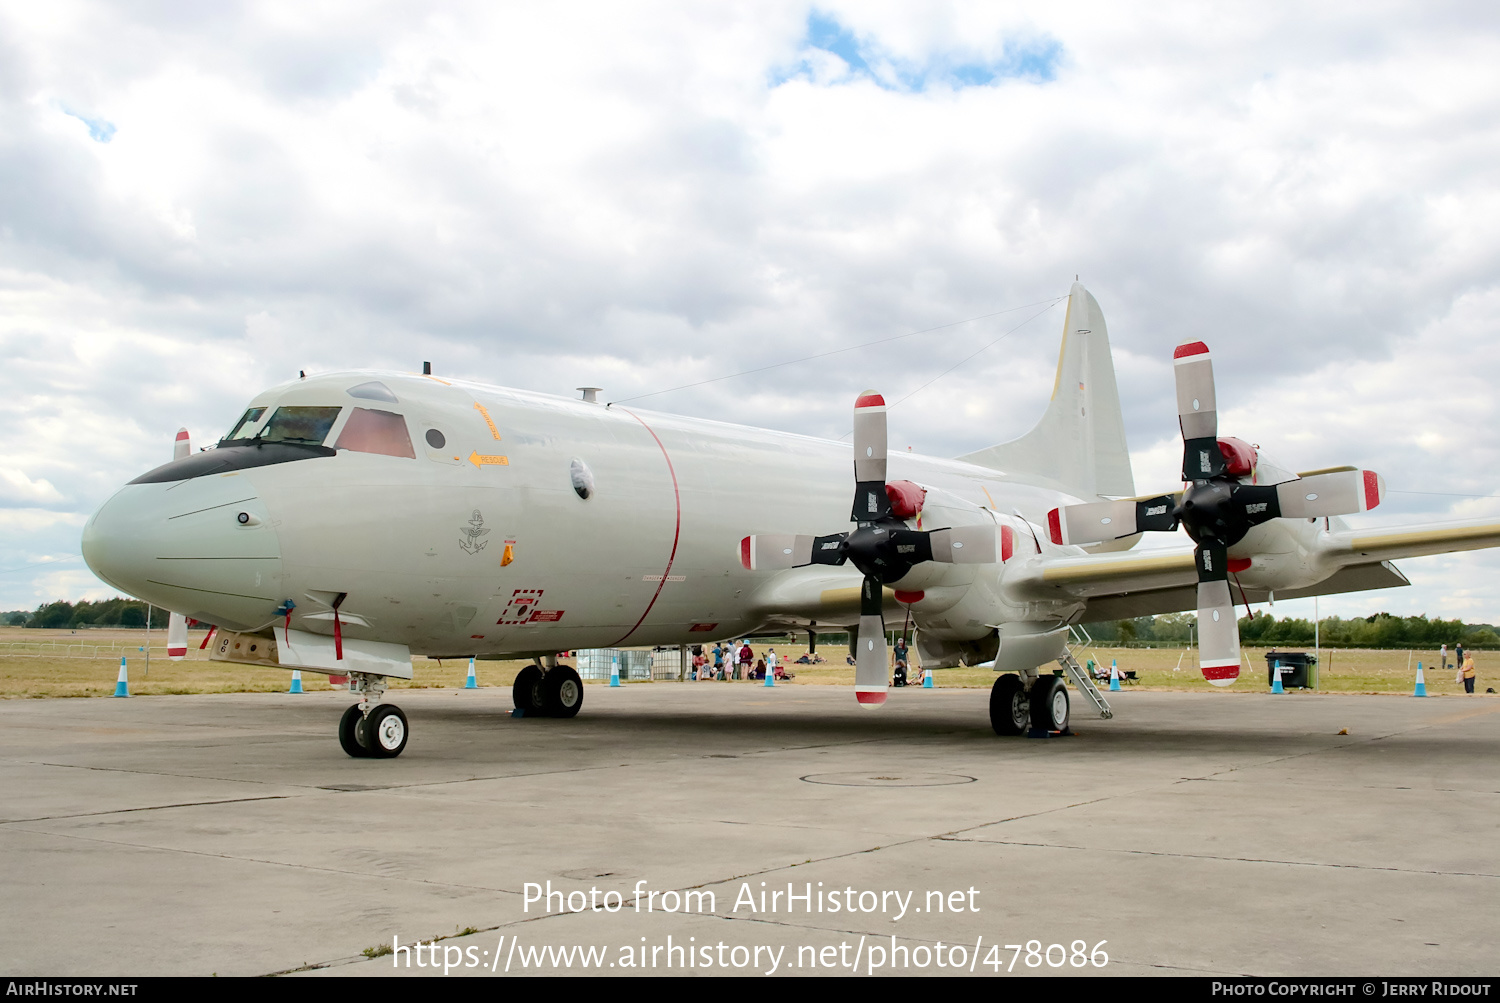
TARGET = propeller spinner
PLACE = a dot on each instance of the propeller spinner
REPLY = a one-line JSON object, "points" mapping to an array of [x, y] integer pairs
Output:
{"points": [[1215, 507], [880, 546]]}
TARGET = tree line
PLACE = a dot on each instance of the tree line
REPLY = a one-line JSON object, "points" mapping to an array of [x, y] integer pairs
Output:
{"points": [[1383, 630], [116, 612]]}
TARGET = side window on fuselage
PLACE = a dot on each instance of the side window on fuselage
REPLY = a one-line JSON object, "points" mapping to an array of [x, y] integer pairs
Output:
{"points": [[371, 431]]}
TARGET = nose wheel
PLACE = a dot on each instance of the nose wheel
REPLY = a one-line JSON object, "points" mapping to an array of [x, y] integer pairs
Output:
{"points": [[371, 729]]}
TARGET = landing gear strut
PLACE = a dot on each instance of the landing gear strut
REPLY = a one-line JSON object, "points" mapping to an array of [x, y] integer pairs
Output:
{"points": [[370, 729]]}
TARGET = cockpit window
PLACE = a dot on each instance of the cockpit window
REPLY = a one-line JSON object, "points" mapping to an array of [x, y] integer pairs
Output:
{"points": [[308, 425], [374, 391], [369, 431], [244, 425]]}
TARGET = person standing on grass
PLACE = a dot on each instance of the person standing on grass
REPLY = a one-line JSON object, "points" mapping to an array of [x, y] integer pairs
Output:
{"points": [[1467, 674]]}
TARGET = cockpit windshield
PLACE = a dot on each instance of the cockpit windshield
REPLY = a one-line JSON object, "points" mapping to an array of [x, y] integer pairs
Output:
{"points": [[244, 425], [306, 425]]}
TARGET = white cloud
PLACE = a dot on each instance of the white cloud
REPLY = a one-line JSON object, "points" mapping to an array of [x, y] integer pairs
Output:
{"points": [[623, 195]]}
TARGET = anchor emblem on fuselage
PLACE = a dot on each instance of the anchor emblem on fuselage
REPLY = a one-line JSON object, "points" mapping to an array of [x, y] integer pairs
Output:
{"points": [[470, 541]]}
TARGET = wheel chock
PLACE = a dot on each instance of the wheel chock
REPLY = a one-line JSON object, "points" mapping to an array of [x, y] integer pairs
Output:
{"points": [[517, 712]]}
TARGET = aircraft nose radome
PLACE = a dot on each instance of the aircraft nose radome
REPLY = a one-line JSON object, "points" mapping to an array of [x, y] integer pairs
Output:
{"points": [[181, 546], [118, 540]]}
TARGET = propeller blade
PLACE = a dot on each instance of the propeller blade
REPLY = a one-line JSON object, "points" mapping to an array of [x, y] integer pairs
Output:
{"points": [[1111, 520], [963, 545], [1218, 631], [871, 504], [779, 551], [176, 637], [1197, 412], [177, 623], [1342, 492], [870, 667]]}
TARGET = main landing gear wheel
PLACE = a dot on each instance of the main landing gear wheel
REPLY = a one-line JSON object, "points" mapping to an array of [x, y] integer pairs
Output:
{"points": [[1049, 704], [564, 692], [1010, 709], [524, 692], [385, 731], [352, 734]]}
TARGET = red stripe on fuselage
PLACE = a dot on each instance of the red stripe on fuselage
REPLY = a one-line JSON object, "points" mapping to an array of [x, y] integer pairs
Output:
{"points": [[676, 530]]}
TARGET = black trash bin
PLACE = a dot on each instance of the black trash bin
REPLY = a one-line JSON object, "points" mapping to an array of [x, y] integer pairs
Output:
{"points": [[1298, 669]]}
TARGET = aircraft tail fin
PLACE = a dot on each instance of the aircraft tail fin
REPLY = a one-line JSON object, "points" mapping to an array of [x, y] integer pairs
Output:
{"points": [[1079, 445]]}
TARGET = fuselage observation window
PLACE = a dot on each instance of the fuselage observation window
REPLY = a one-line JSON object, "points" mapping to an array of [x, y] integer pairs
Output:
{"points": [[371, 431], [307, 425]]}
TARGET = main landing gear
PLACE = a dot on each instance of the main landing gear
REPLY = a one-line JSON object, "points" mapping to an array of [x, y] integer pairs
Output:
{"points": [[554, 692], [371, 729], [1016, 708]]}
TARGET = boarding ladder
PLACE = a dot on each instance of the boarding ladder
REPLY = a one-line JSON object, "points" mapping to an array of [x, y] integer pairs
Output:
{"points": [[1081, 678]]}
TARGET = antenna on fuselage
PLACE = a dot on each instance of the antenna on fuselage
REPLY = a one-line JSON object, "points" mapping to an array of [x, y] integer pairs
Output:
{"points": [[426, 369], [590, 394]]}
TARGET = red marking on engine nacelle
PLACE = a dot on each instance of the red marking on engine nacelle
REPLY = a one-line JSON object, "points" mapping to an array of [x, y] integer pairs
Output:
{"points": [[906, 498], [1239, 456]]}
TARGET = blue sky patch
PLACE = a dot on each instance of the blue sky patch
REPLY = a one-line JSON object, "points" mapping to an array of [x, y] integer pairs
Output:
{"points": [[99, 130], [1033, 58]]}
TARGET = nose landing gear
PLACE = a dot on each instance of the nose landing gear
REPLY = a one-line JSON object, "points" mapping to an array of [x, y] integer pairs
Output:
{"points": [[370, 729]]}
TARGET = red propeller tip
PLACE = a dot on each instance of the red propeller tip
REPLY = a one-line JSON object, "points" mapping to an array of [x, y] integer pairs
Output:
{"points": [[1372, 489], [745, 553], [1190, 348], [870, 399], [869, 699], [1054, 526]]}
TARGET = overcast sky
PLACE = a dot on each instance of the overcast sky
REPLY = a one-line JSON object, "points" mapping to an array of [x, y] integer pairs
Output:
{"points": [[198, 200]]}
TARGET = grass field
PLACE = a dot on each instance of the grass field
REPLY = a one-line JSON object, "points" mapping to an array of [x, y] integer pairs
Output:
{"points": [[61, 663]]}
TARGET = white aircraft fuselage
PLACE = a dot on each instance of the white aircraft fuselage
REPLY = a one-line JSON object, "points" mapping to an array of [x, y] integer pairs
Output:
{"points": [[483, 545]]}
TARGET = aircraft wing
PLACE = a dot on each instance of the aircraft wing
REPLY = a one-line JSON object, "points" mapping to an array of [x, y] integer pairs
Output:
{"points": [[1413, 541]]}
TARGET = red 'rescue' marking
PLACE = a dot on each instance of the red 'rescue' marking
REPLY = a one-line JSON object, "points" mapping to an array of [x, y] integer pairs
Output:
{"points": [[1238, 564], [910, 597], [676, 530], [1054, 525], [864, 697], [745, 553], [870, 400], [1190, 348], [703, 626], [1372, 489]]}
